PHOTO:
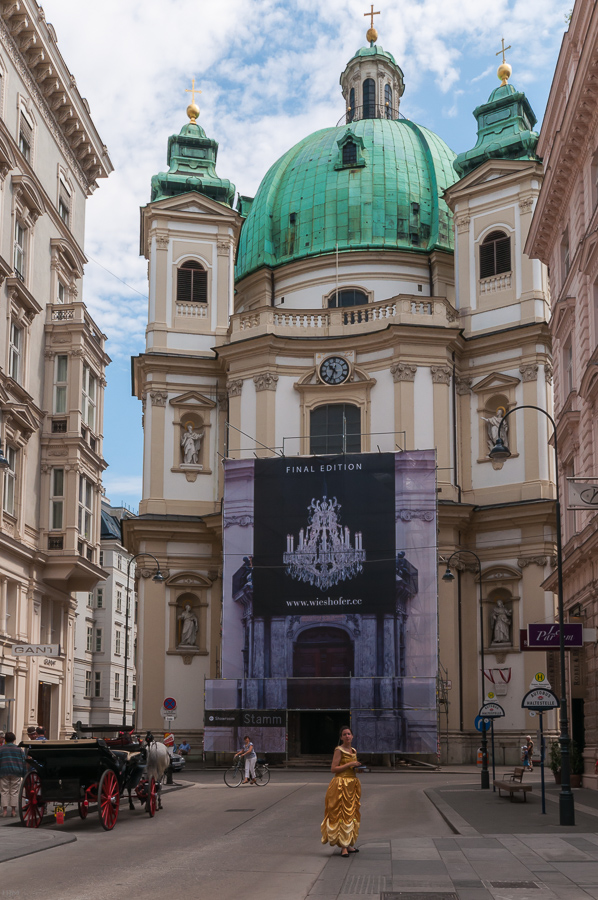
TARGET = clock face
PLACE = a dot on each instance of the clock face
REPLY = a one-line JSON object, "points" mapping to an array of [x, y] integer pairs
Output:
{"points": [[334, 370]]}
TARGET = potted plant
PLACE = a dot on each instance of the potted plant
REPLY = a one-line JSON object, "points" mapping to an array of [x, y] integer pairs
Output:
{"points": [[576, 763], [554, 760]]}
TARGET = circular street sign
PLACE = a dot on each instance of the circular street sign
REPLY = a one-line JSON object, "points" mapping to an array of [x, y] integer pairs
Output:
{"points": [[492, 711], [490, 695], [531, 713], [540, 699], [170, 703], [478, 722], [540, 676]]}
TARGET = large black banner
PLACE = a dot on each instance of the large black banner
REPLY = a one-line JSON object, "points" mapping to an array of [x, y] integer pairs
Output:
{"points": [[324, 538]]}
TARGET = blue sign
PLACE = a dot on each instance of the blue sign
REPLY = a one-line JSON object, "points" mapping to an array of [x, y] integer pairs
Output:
{"points": [[170, 703], [479, 721]]}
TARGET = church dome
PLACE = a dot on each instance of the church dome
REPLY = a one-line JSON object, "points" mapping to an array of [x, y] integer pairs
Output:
{"points": [[372, 184]]}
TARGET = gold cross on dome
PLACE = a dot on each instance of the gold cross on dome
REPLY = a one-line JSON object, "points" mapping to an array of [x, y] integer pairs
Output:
{"points": [[504, 50], [371, 14], [192, 90]]}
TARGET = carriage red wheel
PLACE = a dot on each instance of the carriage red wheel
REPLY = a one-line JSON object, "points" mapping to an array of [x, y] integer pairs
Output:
{"points": [[83, 808], [108, 800], [31, 804], [152, 797]]}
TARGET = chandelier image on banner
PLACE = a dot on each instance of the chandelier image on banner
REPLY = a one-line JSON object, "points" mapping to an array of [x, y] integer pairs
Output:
{"points": [[324, 555]]}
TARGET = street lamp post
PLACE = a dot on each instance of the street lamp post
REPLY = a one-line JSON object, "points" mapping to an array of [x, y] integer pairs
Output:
{"points": [[566, 799], [158, 578], [448, 576]]}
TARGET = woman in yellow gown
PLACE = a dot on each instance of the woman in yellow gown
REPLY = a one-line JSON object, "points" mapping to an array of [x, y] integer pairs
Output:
{"points": [[341, 816]]}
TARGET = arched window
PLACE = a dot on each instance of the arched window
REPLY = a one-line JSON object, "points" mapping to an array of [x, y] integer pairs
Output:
{"points": [[351, 110], [348, 296], [388, 101], [192, 283], [349, 154], [335, 428], [495, 254], [369, 99]]}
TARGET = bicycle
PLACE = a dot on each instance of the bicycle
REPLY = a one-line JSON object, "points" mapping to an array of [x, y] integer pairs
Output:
{"points": [[234, 776]]}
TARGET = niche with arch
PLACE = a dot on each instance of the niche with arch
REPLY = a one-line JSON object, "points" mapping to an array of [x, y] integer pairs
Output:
{"points": [[191, 433], [496, 397], [188, 607]]}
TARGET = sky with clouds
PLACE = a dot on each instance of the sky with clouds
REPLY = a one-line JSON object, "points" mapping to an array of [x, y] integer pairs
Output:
{"points": [[269, 75]]}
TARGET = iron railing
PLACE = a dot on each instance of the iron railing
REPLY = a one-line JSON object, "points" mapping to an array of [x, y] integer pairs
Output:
{"points": [[369, 111]]}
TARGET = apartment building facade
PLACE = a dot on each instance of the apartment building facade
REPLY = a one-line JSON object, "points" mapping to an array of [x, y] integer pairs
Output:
{"points": [[52, 364]]}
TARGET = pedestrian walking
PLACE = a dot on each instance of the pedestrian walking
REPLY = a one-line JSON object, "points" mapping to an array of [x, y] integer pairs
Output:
{"points": [[40, 734], [2, 738], [250, 759], [12, 769], [342, 814], [530, 751], [31, 733]]}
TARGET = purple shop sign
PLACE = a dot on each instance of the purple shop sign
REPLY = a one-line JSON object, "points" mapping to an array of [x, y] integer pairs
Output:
{"points": [[546, 637]]}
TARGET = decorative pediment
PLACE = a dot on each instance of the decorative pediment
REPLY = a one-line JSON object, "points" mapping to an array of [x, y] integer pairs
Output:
{"points": [[23, 302], [20, 421], [189, 580], [193, 202], [65, 253], [563, 318], [495, 382], [193, 400], [498, 574], [26, 194], [7, 158], [589, 255]]}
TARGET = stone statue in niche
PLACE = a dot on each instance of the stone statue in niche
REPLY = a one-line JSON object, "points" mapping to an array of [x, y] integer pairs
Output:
{"points": [[189, 627], [191, 445], [492, 426], [501, 624]]}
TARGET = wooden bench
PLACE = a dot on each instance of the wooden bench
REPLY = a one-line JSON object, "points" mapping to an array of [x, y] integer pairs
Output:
{"points": [[513, 783]]}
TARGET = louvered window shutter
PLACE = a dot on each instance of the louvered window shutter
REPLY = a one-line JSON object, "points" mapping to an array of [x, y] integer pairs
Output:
{"points": [[495, 255], [192, 283]]}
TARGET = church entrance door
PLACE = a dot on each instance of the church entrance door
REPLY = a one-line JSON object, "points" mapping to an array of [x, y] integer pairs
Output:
{"points": [[322, 667]]}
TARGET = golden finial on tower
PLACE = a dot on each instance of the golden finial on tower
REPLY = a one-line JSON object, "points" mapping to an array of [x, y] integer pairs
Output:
{"points": [[371, 34], [193, 108], [504, 70]]}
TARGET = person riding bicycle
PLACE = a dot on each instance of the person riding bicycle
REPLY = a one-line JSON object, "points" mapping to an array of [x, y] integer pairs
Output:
{"points": [[250, 759]]}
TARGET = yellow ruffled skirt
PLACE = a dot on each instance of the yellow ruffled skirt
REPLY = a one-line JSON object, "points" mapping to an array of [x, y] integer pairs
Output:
{"points": [[340, 827]]}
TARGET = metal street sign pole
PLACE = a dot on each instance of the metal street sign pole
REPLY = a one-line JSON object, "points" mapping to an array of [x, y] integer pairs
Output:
{"points": [[542, 763], [493, 764]]}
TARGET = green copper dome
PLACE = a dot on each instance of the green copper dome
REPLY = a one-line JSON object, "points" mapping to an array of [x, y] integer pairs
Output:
{"points": [[383, 192]]}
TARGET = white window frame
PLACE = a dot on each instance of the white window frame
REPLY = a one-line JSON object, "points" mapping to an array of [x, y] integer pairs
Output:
{"points": [[99, 640], [57, 499], [89, 639], [100, 598], [88, 683], [119, 600], [15, 351], [9, 492], [568, 366], [26, 131], [89, 395], [97, 684], [20, 248], [117, 686], [117, 642], [90, 599], [85, 521], [61, 361]]}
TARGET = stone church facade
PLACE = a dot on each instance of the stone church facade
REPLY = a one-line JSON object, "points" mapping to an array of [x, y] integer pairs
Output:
{"points": [[370, 248]]}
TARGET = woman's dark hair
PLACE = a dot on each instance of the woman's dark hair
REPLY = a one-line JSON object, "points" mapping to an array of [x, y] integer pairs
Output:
{"points": [[246, 738], [9, 737], [340, 734]]}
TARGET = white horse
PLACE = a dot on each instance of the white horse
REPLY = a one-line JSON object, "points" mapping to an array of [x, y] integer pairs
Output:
{"points": [[158, 760]]}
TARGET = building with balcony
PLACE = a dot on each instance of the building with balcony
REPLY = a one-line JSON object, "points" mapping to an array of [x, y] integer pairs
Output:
{"points": [[564, 236], [52, 362], [102, 638], [373, 296]]}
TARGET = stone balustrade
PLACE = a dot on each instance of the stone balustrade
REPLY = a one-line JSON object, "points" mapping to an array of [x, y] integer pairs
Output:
{"points": [[401, 310], [495, 283]]}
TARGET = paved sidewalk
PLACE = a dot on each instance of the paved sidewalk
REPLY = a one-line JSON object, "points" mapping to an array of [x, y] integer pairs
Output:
{"points": [[501, 850]]}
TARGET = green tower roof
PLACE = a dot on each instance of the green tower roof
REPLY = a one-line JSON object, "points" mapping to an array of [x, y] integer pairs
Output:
{"points": [[505, 126], [388, 196], [192, 167]]}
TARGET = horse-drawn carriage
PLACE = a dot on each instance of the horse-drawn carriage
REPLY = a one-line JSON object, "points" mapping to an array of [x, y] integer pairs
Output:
{"points": [[83, 772]]}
